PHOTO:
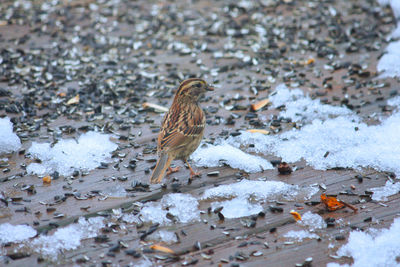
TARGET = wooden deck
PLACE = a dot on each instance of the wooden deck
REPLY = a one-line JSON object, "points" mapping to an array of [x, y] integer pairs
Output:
{"points": [[217, 247]]}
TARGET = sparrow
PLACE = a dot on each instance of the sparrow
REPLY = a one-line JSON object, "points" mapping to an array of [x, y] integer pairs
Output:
{"points": [[181, 129]]}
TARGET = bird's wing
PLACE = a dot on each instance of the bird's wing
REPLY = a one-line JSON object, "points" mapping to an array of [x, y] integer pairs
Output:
{"points": [[180, 126]]}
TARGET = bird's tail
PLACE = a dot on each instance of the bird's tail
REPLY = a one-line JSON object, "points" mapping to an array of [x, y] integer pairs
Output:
{"points": [[162, 165]]}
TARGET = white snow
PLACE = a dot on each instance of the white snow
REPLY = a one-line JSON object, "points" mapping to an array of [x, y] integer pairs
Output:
{"points": [[67, 155], [312, 221], [67, 238], [395, 101], [15, 233], [300, 235], [237, 207], [244, 198], [130, 218], [183, 206], [9, 141], [389, 63], [164, 236], [389, 189], [117, 191], [299, 106], [343, 141], [378, 248], [216, 155]]}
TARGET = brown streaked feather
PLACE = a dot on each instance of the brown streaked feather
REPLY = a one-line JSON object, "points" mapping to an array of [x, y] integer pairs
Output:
{"points": [[178, 125]]}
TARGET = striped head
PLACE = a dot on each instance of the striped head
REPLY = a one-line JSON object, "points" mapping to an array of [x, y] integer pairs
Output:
{"points": [[192, 89]]}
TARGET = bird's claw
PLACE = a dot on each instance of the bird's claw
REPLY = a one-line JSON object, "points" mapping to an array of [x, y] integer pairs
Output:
{"points": [[172, 170]]}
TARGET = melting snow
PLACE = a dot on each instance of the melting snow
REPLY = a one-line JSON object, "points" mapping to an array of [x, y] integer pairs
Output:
{"points": [[300, 235], [237, 207], [9, 141], [67, 155], [15, 233], [183, 207], [350, 143], [245, 196], [312, 221], [164, 236], [389, 63], [216, 155], [67, 238], [117, 191], [395, 101], [389, 189], [301, 107], [377, 248]]}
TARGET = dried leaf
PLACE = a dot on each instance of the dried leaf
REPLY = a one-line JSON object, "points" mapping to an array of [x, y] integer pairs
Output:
{"points": [[74, 100], [46, 179], [258, 131], [296, 215], [260, 104], [331, 203], [157, 108], [309, 61], [162, 249]]}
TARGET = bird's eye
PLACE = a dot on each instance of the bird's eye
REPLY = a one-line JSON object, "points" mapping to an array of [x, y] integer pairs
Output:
{"points": [[197, 85]]}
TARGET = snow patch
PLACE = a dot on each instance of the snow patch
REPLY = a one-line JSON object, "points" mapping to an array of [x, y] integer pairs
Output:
{"points": [[216, 155], [183, 207], [15, 233], [340, 142], [389, 63], [300, 235], [383, 192], [301, 107], [312, 221], [395, 101], [164, 236], [376, 248], [67, 155], [117, 191], [67, 238], [244, 197], [237, 207], [9, 141]]}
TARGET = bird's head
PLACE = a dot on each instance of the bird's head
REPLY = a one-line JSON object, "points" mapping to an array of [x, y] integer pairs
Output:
{"points": [[192, 89]]}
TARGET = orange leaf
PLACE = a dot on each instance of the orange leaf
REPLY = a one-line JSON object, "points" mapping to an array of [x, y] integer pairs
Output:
{"points": [[331, 203], [46, 179], [310, 61], [162, 249], [296, 215]]}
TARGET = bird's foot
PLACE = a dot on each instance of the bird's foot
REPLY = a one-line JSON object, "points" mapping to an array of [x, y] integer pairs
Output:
{"points": [[194, 174], [172, 170]]}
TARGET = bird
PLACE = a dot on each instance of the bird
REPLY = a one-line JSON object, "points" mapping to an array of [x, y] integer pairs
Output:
{"points": [[182, 128]]}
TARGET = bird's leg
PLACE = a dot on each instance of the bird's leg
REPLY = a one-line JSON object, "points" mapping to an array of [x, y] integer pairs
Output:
{"points": [[192, 172], [172, 170]]}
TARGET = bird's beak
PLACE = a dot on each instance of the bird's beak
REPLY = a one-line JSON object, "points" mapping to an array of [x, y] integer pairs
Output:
{"points": [[210, 88]]}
